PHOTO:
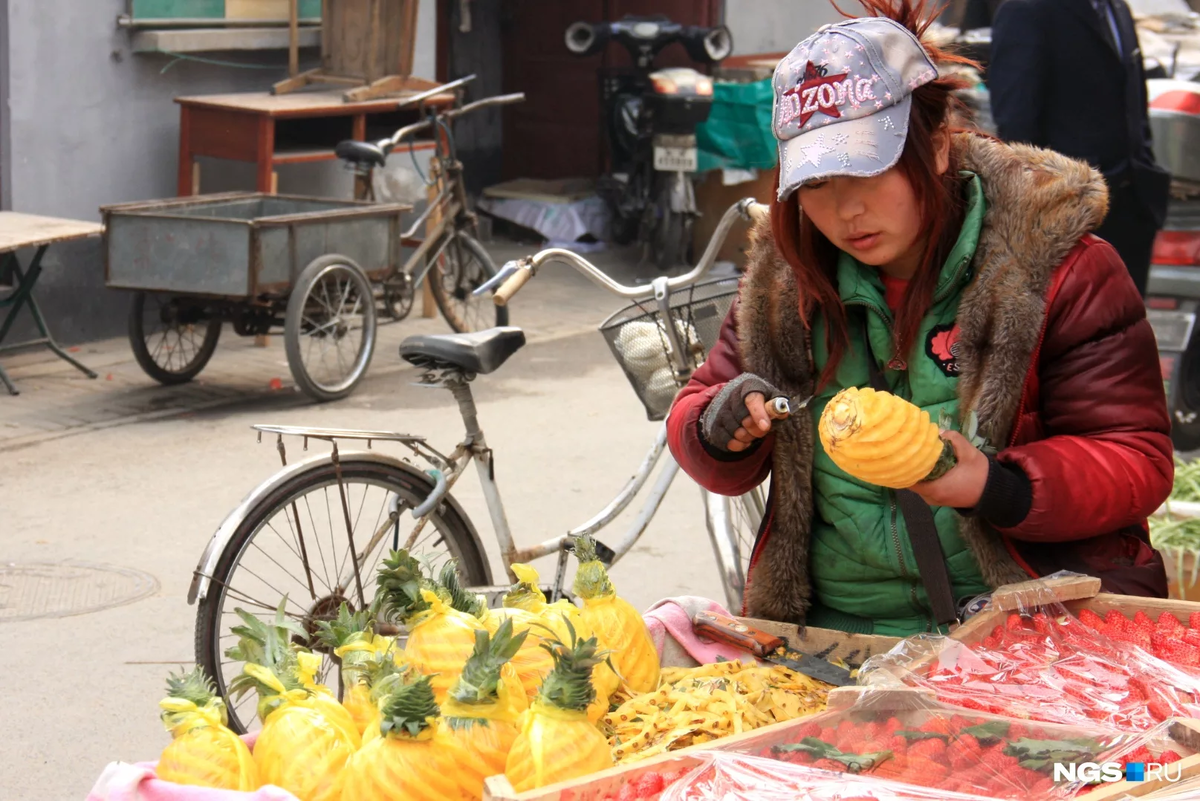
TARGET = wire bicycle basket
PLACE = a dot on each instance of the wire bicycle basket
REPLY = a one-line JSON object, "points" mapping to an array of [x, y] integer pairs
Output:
{"points": [[637, 336]]}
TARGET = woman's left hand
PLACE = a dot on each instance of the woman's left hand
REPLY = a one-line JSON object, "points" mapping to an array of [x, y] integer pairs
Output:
{"points": [[962, 487]]}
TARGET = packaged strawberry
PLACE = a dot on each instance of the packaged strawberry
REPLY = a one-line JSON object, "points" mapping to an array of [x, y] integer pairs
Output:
{"points": [[1045, 663], [921, 748]]}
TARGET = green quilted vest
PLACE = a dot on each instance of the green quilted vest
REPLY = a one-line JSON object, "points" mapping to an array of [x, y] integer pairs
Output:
{"points": [[864, 574]]}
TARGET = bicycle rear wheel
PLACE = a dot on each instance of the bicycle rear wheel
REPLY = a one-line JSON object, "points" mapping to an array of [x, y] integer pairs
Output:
{"points": [[461, 265], [294, 543]]}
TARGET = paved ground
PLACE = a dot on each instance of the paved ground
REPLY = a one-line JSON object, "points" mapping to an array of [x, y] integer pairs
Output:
{"points": [[125, 474]]}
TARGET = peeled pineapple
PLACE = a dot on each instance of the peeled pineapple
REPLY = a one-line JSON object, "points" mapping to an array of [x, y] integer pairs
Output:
{"points": [[560, 617], [616, 623], [406, 762], [440, 638], [557, 742], [882, 439], [307, 736], [479, 719], [203, 752]]}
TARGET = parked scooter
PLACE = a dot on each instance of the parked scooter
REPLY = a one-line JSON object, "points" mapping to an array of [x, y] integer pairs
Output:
{"points": [[650, 119]]}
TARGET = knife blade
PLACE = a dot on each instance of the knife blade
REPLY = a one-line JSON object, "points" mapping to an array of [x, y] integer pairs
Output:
{"points": [[784, 407], [768, 648]]}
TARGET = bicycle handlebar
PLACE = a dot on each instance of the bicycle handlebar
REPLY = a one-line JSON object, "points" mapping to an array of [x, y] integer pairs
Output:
{"points": [[515, 274], [390, 143], [498, 100]]}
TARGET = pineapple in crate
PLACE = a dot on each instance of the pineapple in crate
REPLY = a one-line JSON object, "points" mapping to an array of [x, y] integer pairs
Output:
{"points": [[307, 736], [203, 751], [405, 763], [479, 719], [557, 741]]}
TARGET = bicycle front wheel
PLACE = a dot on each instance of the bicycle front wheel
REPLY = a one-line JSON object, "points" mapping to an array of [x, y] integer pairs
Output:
{"points": [[460, 266], [733, 527], [296, 542]]}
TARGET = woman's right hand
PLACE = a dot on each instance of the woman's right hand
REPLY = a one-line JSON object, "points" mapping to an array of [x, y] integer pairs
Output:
{"points": [[738, 415]]}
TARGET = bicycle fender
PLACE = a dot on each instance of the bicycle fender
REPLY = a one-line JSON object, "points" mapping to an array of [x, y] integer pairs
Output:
{"points": [[220, 540]]}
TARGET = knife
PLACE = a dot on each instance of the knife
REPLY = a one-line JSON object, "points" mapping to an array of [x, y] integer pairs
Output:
{"points": [[784, 407], [768, 648]]}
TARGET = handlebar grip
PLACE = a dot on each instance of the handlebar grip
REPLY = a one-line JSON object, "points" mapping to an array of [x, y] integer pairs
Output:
{"points": [[759, 211], [512, 286]]}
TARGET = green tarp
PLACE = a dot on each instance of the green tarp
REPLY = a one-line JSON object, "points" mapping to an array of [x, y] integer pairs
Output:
{"points": [[738, 134]]}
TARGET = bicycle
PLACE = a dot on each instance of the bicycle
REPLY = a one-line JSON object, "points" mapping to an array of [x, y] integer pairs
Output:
{"points": [[311, 505], [451, 244]]}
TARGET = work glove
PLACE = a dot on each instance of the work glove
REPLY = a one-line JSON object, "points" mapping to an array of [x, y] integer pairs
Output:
{"points": [[725, 415]]}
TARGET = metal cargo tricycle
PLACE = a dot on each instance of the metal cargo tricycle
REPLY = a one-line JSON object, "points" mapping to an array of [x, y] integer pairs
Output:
{"points": [[259, 262]]}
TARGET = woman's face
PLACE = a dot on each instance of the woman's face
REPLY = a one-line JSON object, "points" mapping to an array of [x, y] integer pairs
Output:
{"points": [[876, 220]]}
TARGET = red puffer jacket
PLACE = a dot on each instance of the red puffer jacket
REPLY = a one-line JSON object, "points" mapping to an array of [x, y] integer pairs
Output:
{"points": [[1056, 358]]}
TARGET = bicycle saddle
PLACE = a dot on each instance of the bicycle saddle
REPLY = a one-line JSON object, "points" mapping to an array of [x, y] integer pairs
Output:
{"points": [[481, 353], [360, 152]]}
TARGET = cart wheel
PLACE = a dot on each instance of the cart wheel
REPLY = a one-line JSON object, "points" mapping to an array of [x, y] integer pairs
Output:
{"points": [[171, 341], [329, 330], [398, 296]]}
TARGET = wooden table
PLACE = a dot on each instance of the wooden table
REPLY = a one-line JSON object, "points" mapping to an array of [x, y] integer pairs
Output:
{"points": [[20, 231], [271, 130]]}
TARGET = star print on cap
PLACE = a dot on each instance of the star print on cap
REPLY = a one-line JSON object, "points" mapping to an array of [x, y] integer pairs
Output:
{"points": [[842, 100]]}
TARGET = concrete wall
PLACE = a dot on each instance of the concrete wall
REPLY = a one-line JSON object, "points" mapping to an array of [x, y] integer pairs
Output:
{"points": [[773, 26], [90, 123]]}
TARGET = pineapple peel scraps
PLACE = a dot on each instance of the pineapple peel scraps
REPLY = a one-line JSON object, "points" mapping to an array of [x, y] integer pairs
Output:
{"points": [[697, 705]]}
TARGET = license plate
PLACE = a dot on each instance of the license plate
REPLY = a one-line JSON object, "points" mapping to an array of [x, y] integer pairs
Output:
{"points": [[673, 159], [1172, 329]]}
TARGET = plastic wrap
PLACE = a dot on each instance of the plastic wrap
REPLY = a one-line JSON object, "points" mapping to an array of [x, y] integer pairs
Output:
{"points": [[1041, 662], [901, 744]]}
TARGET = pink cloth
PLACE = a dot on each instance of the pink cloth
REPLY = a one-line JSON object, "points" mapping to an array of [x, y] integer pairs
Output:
{"points": [[121, 781], [670, 625]]}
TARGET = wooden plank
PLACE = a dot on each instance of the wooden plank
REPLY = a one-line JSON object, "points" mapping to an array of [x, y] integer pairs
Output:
{"points": [[205, 40], [303, 156], [407, 36], [565, 190], [305, 104], [350, 36], [222, 134], [294, 37], [31, 230], [853, 648], [185, 176], [1013, 597]]}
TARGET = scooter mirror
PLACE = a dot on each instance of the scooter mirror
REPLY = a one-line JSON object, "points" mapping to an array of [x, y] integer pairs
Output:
{"points": [[580, 38], [718, 44]]}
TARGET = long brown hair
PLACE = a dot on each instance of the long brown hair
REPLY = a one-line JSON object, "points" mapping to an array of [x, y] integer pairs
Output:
{"points": [[813, 257]]}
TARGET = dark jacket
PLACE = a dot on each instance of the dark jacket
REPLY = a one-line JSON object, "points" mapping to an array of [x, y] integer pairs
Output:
{"points": [[1056, 357], [1056, 81]]}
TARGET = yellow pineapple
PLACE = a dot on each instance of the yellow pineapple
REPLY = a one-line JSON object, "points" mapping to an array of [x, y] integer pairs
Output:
{"points": [[203, 751], [883, 440]]}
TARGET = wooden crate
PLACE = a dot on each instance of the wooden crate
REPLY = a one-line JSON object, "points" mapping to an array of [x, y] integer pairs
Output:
{"points": [[1076, 594], [1184, 734]]}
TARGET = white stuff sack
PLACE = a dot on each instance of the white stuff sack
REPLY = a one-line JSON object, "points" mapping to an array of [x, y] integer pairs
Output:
{"points": [[645, 351]]}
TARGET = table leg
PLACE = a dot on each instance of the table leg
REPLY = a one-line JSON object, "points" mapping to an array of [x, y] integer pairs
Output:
{"points": [[266, 153], [186, 158], [25, 282]]}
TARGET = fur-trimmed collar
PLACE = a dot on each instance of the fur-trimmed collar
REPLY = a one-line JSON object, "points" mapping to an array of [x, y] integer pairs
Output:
{"points": [[1039, 205]]}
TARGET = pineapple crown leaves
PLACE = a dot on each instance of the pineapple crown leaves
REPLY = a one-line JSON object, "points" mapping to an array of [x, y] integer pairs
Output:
{"points": [[269, 646], [335, 633], [591, 579], [970, 430], [192, 702], [408, 708], [568, 685], [479, 682], [525, 594], [460, 599], [399, 582]]}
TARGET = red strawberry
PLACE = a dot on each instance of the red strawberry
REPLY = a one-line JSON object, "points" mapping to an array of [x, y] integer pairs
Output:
{"points": [[1181, 653], [1141, 754], [1116, 621], [893, 725], [1194, 620], [1192, 636], [990, 643], [1041, 623], [1167, 757], [1093, 621], [998, 632], [1169, 622], [808, 730], [628, 793], [1013, 623], [873, 729], [1142, 620], [1159, 709], [648, 785]]}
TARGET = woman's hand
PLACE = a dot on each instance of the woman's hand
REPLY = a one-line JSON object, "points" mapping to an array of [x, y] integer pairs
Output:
{"points": [[738, 415], [962, 487]]}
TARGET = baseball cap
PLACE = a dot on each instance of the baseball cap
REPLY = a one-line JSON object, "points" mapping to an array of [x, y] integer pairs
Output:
{"points": [[843, 98]]}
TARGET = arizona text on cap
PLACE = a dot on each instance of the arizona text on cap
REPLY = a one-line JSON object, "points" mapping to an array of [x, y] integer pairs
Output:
{"points": [[843, 98]]}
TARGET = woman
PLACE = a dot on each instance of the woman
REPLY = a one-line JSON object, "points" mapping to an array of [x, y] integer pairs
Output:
{"points": [[960, 271]]}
